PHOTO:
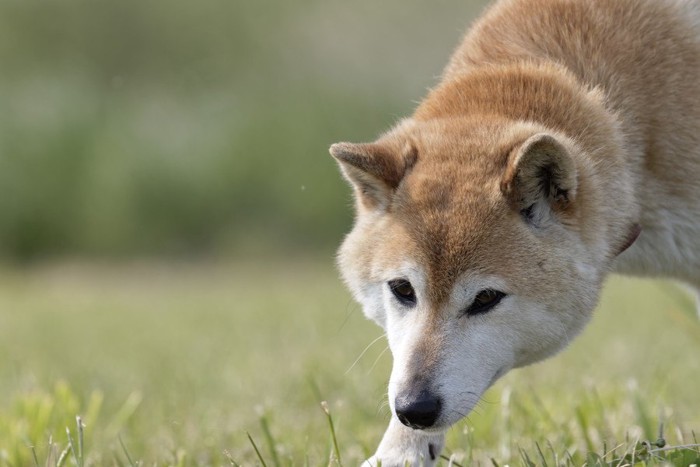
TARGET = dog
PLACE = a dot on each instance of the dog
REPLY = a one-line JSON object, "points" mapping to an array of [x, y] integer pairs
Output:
{"points": [[561, 144]]}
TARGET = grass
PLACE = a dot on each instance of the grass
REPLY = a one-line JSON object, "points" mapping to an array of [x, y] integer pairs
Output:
{"points": [[227, 364]]}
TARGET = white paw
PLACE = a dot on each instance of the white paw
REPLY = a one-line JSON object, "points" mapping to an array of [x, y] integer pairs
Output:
{"points": [[401, 461], [402, 446]]}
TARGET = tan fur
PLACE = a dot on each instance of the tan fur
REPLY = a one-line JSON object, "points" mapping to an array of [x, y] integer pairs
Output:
{"points": [[588, 110]]}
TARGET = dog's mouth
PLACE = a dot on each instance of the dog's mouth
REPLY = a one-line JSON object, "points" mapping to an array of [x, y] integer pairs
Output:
{"points": [[452, 415], [436, 429], [450, 418]]}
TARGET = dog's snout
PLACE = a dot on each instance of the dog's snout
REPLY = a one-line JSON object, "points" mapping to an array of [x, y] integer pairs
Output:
{"points": [[418, 411]]}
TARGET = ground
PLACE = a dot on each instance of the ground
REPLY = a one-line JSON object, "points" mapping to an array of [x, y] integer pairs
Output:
{"points": [[173, 364]]}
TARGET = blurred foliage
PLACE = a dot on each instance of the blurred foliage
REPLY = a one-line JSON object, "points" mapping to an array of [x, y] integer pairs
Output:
{"points": [[154, 127]]}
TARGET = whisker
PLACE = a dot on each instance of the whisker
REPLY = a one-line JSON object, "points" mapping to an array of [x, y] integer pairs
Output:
{"points": [[377, 359], [462, 416], [487, 401], [364, 352], [350, 308], [384, 408], [472, 401]]}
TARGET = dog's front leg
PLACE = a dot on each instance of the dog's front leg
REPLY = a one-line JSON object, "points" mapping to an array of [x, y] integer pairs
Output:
{"points": [[402, 446]]}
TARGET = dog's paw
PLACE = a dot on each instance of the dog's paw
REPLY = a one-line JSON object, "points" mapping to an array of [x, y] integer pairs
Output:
{"points": [[402, 461], [373, 461], [416, 457], [402, 446]]}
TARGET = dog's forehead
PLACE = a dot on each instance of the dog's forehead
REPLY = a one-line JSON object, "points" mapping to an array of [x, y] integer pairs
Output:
{"points": [[456, 225], [450, 205], [472, 139]]}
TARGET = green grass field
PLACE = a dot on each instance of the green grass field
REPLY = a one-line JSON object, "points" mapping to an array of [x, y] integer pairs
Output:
{"points": [[173, 364]]}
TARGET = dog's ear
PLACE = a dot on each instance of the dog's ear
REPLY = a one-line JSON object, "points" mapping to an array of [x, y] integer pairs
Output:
{"points": [[540, 178], [374, 169]]}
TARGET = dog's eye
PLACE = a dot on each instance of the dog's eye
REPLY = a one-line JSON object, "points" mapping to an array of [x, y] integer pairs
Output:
{"points": [[403, 291], [484, 301]]}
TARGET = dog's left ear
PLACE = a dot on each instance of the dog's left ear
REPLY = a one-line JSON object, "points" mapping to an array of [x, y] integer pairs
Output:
{"points": [[540, 178], [374, 169]]}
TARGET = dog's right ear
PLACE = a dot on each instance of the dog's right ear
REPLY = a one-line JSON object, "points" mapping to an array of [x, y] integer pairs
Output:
{"points": [[374, 169], [540, 178]]}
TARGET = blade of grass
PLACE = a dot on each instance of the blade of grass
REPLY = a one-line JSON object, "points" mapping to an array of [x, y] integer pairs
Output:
{"points": [[125, 412], [50, 452], [526, 459], [450, 460], [555, 456], [594, 460], [569, 458], [270, 440], [257, 451], [583, 423], [643, 417], [126, 452], [36, 459], [79, 422], [626, 454], [690, 447], [62, 458], [230, 458], [541, 454], [72, 447], [324, 406]]}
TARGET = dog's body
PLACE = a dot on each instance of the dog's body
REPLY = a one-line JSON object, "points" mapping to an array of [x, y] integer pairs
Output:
{"points": [[487, 222]]}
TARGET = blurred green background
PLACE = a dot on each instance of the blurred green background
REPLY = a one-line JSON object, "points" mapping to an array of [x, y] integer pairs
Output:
{"points": [[184, 128]]}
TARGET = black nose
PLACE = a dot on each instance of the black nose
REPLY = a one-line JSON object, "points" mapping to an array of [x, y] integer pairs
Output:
{"points": [[418, 411]]}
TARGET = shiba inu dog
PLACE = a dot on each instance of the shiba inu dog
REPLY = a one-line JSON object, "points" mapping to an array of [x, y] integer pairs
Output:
{"points": [[562, 144]]}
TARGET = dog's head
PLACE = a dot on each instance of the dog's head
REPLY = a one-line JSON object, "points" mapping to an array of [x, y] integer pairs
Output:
{"points": [[475, 248]]}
